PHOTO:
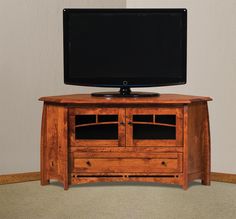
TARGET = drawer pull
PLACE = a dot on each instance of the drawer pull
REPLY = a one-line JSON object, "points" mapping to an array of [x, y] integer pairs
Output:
{"points": [[163, 163], [88, 163]]}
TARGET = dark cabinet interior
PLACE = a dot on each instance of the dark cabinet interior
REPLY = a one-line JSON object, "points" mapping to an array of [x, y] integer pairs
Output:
{"points": [[106, 127], [154, 126], [96, 127]]}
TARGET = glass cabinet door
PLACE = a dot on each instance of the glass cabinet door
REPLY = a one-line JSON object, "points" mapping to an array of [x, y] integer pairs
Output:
{"points": [[97, 127], [154, 127]]}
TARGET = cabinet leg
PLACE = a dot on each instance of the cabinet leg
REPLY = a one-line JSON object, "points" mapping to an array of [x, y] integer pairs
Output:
{"points": [[66, 187], [185, 186], [45, 182], [206, 180]]}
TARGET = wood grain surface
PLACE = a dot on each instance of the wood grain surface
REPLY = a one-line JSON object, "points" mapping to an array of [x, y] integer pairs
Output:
{"points": [[88, 99]]}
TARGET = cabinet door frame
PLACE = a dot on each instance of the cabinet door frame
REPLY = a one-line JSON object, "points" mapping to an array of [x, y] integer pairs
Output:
{"points": [[178, 111], [120, 142]]}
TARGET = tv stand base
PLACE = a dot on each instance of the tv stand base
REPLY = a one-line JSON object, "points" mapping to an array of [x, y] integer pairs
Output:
{"points": [[125, 92], [162, 139]]}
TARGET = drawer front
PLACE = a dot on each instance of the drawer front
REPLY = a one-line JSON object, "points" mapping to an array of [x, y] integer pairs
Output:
{"points": [[134, 164]]}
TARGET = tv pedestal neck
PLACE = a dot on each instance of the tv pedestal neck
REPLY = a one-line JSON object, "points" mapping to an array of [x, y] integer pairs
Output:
{"points": [[86, 139], [125, 92]]}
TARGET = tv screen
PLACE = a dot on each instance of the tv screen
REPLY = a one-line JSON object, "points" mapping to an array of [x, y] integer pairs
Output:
{"points": [[125, 47]]}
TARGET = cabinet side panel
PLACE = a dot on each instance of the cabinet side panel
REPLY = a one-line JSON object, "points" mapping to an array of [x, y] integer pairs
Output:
{"points": [[206, 148], [62, 129], [55, 158], [185, 148], [43, 145], [196, 114], [51, 146]]}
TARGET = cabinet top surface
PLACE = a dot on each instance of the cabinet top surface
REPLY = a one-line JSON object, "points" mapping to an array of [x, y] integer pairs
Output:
{"points": [[88, 99]]}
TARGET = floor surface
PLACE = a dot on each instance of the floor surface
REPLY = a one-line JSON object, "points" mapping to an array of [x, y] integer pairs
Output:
{"points": [[117, 200]]}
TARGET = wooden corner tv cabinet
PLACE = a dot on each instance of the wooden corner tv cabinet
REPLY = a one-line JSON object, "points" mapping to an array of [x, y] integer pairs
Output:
{"points": [[163, 139]]}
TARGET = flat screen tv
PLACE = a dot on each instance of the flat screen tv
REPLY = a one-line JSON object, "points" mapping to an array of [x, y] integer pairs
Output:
{"points": [[125, 48]]}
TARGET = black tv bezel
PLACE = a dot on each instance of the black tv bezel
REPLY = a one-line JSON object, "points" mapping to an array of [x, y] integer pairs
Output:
{"points": [[127, 82]]}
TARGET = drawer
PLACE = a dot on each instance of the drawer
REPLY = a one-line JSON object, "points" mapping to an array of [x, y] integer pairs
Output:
{"points": [[164, 163]]}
